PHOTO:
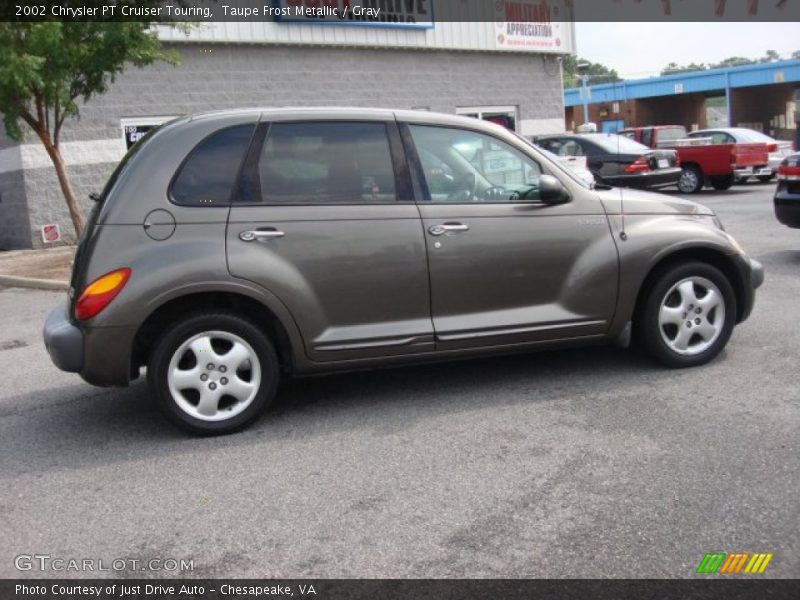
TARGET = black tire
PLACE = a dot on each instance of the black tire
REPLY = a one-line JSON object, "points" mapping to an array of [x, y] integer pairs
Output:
{"points": [[230, 324], [648, 330], [723, 182], [766, 178], [691, 180]]}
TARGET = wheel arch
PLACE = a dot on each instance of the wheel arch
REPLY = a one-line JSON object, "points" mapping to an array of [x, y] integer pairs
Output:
{"points": [[194, 302], [712, 256]]}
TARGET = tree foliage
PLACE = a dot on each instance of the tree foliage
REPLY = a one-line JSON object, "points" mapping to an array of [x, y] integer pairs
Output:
{"points": [[48, 68], [597, 72], [733, 61]]}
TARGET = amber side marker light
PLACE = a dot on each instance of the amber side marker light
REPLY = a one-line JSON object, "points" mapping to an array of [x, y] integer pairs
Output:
{"points": [[100, 293]]}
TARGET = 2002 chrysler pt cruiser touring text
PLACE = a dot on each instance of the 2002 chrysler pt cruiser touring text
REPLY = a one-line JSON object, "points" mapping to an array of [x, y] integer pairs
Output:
{"points": [[231, 248]]}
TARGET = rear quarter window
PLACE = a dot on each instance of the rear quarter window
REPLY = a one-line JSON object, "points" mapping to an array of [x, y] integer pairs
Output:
{"points": [[208, 175]]}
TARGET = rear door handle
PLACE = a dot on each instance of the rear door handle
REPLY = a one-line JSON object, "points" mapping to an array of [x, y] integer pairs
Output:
{"points": [[261, 235], [447, 228]]}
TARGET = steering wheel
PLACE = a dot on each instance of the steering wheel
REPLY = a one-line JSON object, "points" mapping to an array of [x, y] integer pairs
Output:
{"points": [[468, 186], [497, 192]]}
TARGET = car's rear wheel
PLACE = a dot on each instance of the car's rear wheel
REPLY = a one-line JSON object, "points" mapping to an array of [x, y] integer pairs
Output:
{"points": [[723, 182], [688, 315], [766, 178], [691, 180], [213, 373]]}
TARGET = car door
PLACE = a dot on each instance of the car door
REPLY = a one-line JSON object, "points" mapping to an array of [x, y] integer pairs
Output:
{"points": [[506, 268], [325, 220]]}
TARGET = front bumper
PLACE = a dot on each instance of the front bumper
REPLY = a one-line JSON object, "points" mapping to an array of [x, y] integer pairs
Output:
{"points": [[752, 273], [64, 341]]}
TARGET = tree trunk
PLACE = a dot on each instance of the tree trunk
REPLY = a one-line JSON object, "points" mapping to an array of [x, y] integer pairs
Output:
{"points": [[78, 221]]}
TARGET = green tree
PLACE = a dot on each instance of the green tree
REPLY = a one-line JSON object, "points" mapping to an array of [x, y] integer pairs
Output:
{"points": [[673, 68], [47, 68], [770, 56], [597, 72]]}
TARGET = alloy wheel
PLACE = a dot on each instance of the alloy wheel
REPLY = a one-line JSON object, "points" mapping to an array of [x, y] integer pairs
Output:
{"points": [[214, 375], [692, 316]]}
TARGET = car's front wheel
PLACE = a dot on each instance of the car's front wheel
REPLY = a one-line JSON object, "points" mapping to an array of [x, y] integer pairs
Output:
{"points": [[688, 315], [213, 373]]}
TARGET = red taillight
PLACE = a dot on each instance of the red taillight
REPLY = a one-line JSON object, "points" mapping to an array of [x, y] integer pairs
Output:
{"points": [[100, 293], [638, 166], [787, 173], [772, 148]]}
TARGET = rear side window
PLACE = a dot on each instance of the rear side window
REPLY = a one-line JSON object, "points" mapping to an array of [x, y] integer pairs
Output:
{"points": [[326, 163], [209, 173]]}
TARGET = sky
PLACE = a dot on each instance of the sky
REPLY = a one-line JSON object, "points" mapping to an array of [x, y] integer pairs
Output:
{"points": [[643, 49]]}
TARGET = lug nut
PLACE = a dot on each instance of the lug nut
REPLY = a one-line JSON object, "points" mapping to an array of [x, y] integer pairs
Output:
{"points": [[697, 321], [203, 377], [223, 368], [210, 366], [689, 324], [224, 381], [212, 386], [698, 310]]}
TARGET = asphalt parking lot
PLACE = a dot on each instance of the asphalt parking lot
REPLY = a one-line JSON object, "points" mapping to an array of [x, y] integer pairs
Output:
{"points": [[589, 463]]}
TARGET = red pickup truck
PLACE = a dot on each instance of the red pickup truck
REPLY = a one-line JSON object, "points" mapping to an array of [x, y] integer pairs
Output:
{"points": [[702, 162]]}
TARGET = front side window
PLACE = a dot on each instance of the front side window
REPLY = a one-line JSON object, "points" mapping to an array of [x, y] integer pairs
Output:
{"points": [[209, 173], [327, 163], [466, 166]]}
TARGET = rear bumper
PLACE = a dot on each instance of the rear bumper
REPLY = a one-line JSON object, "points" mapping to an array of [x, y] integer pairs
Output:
{"points": [[747, 172], [652, 179], [101, 355], [787, 205], [64, 341]]}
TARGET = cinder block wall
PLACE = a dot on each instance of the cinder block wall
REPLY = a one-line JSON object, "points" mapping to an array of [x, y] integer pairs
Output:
{"points": [[214, 77]]}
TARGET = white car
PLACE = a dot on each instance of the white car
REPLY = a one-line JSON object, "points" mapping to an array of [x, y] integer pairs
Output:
{"points": [[778, 150]]}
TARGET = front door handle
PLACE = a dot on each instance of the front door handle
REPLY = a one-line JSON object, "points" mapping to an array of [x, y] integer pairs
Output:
{"points": [[262, 235], [447, 228]]}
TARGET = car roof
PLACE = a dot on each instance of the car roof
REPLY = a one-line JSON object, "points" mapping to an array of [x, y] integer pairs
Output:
{"points": [[355, 113]]}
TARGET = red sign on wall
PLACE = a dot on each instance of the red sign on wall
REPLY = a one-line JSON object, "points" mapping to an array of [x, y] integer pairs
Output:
{"points": [[51, 233]]}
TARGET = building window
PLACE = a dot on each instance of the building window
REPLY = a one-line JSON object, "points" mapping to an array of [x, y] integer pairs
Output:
{"points": [[502, 115]]}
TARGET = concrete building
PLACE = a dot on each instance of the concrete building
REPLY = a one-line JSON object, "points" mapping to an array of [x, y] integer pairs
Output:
{"points": [[758, 96], [482, 69]]}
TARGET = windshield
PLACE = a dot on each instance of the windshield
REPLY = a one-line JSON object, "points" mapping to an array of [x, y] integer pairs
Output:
{"points": [[618, 144]]}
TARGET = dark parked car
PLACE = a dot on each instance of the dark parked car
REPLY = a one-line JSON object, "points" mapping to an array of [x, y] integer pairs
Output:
{"points": [[230, 249], [787, 195], [617, 160]]}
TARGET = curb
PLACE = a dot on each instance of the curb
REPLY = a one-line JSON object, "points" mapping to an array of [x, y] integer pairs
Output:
{"points": [[33, 283]]}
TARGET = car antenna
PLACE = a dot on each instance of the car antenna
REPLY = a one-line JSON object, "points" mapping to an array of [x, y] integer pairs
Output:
{"points": [[622, 234]]}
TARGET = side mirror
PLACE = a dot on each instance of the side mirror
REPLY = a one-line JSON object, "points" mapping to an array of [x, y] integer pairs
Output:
{"points": [[552, 191]]}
